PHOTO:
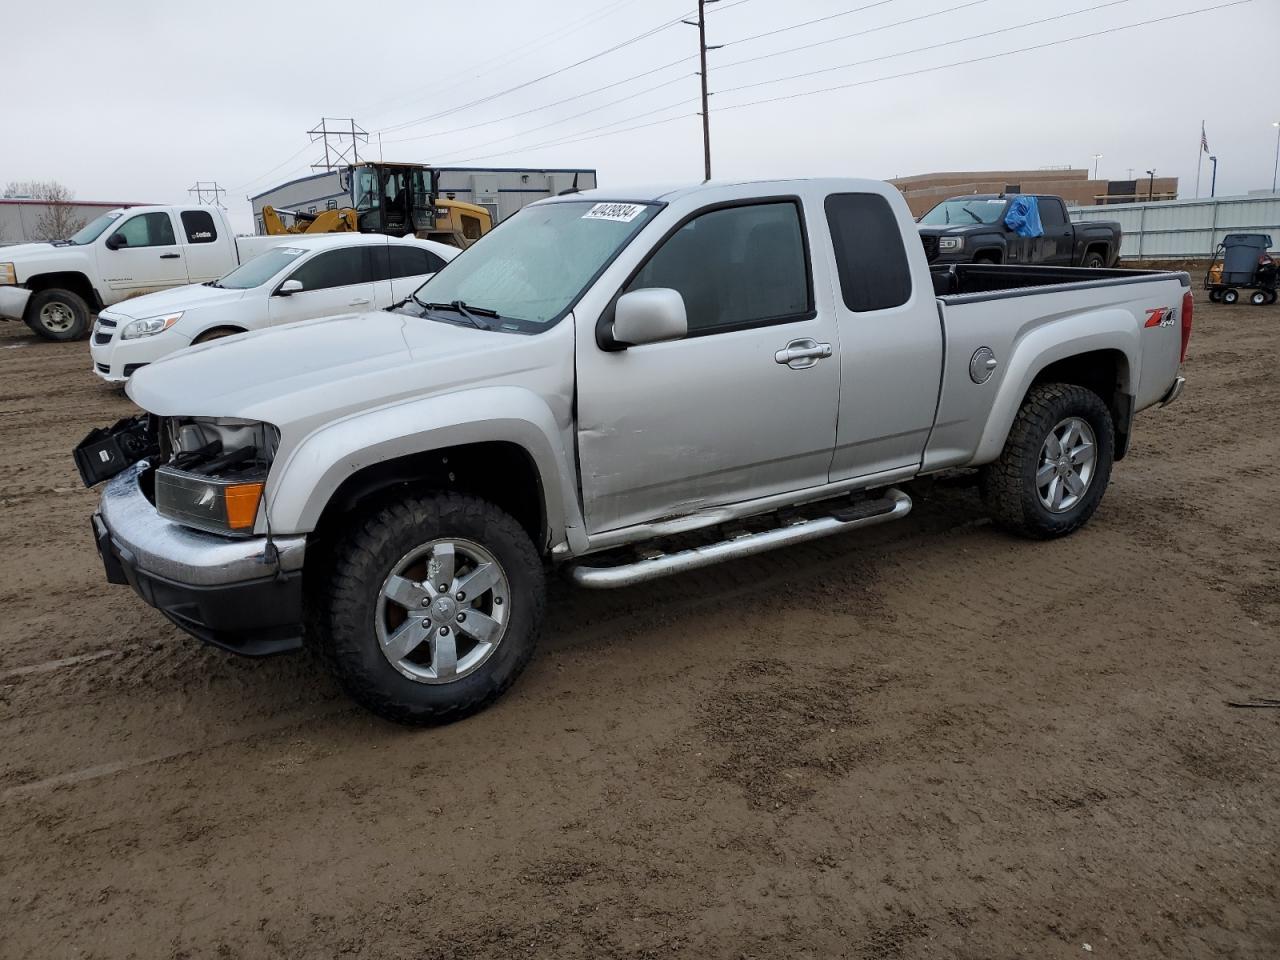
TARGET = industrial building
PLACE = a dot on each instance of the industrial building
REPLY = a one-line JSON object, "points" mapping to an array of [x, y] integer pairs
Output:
{"points": [[23, 220], [925, 190], [501, 190]]}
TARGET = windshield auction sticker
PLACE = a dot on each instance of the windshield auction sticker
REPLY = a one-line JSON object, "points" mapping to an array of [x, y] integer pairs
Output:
{"points": [[620, 212]]}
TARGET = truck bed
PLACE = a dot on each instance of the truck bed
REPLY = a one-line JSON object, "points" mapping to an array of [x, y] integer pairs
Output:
{"points": [[964, 279]]}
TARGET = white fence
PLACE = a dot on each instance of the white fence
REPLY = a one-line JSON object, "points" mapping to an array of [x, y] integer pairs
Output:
{"points": [[1177, 229]]}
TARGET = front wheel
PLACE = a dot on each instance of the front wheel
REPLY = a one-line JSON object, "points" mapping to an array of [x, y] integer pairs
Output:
{"points": [[1230, 296], [432, 608], [1055, 465], [58, 315], [1259, 298], [1215, 295], [1094, 260]]}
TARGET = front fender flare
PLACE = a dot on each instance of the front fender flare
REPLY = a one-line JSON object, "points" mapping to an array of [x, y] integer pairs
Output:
{"points": [[314, 470], [1069, 336]]}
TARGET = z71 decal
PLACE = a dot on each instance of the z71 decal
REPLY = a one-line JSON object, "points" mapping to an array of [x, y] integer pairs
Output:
{"points": [[1159, 317]]}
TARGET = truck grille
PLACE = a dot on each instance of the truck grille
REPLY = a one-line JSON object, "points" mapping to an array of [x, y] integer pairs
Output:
{"points": [[930, 247]]}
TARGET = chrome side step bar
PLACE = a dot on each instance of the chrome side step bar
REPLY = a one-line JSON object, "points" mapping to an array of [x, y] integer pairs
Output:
{"points": [[893, 506]]}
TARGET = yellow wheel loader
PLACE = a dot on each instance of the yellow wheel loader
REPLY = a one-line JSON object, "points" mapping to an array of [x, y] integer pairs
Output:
{"points": [[398, 199]]}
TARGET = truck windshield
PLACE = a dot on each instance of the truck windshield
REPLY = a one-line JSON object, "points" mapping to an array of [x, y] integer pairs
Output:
{"points": [[986, 210], [260, 269], [91, 231], [532, 268]]}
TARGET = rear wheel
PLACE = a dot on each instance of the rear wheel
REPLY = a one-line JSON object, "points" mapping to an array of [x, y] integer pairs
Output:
{"points": [[1230, 295], [1271, 296], [58, 315], [432, 608], [1055, 465], [1215, 295], [1094, 260], [1259, 298]]}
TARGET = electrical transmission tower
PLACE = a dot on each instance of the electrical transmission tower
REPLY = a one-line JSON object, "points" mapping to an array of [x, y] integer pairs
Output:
{"points": [[341, 139], [207, 191]]}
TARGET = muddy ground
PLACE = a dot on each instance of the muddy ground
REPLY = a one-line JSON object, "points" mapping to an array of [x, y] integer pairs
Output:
{"points": [[931, 740]]}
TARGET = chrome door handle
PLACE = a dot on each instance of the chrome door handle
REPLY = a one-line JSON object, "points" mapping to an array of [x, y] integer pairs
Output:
{"points": [[799, 354], [358, 303]]}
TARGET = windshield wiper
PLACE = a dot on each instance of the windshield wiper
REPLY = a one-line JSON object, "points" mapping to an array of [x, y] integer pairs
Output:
{"points": [[976, 218], [472, 314]]}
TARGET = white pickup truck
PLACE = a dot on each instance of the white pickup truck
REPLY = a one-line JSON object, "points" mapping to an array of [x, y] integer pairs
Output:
{"points": [[625, 387], [55, 287]]}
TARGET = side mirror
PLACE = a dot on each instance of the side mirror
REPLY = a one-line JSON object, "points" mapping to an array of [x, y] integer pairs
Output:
{"points": [[649, 316], [116, 241], [289, 288]]}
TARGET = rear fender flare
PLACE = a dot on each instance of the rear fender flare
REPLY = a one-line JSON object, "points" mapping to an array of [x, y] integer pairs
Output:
{"points": [[1105, 329]]}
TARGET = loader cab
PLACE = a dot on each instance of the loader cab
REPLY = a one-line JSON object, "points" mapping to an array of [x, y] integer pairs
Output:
{"points": [[394, 199]]}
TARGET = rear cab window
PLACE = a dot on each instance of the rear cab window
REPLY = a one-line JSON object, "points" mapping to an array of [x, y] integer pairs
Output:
{"points": [[198, 226], [871, 261]]}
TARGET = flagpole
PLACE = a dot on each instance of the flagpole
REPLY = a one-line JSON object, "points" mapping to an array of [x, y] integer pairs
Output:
{"points": [[1199, 158]]}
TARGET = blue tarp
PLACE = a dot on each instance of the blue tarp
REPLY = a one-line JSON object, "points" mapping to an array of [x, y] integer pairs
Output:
{"points": [[1023, 217]]}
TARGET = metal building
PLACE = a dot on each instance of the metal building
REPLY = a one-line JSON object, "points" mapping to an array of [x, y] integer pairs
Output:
{"points": [[503, 190], [1190, 229], [23, 219]]}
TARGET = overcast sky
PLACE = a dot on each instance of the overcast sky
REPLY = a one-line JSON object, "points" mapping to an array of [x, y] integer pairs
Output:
{"points": [[135, 101]]}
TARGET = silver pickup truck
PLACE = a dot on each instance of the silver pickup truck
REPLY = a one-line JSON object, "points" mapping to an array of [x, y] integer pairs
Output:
{"points": [[622, 386]]}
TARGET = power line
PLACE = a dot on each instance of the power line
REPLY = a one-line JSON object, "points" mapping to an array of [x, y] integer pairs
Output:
{"points": [[587, 134], [508, 57], [263, 176], [561, 143], [806, 23], [555, 123], [982, 59], [903, 53], [856, 33], [528, 83], [557, 103]]}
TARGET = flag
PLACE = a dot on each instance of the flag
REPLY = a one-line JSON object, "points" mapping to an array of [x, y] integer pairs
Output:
{"points": [[1204, 141]]}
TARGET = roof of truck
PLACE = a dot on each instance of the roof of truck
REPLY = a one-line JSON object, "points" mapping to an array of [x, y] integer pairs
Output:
{"points": [[650, 193]]}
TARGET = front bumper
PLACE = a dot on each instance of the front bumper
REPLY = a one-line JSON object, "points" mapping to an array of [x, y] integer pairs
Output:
{"points": [[116, 360], [13, 301], [222, 591]]}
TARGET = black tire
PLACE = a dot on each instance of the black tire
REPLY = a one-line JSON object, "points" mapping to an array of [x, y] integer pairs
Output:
{"points": [[1271, 296], [1094, 260], [58, 314], [1230, 295], [1259, 298], [368, 553], [1215, 296], [1008, 484]]}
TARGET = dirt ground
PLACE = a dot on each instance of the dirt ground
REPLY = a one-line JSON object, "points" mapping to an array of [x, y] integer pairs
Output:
{"points": [[931, 740]]}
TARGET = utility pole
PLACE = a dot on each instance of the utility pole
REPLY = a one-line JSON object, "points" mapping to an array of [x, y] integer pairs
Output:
{"points": [[207, 191], [1151, 185], [1276, 167], [1213, 180], [1096, 158], [701, 24]]}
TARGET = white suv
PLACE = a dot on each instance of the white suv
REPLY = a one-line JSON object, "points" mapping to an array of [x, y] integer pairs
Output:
{"points": [[310, 277]]}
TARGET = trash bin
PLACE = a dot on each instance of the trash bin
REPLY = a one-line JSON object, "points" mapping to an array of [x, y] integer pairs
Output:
{"points": [[1240, 257]]}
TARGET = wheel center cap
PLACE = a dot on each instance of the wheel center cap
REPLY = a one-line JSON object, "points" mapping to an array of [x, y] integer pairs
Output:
{"points": [[443, 608]]}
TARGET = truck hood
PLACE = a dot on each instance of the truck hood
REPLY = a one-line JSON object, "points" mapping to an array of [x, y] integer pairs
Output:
{"points": [[949, 229], [306, 374], [170, 301], [29, 259]]}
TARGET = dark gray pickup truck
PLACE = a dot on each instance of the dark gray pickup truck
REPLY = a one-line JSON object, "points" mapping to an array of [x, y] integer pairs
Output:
{"points": [[972, 230]]}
